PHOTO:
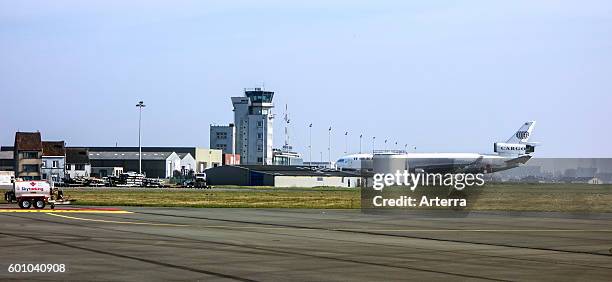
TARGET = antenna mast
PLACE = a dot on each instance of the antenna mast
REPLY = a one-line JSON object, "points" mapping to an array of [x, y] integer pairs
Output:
{"points": [[287, 120]]}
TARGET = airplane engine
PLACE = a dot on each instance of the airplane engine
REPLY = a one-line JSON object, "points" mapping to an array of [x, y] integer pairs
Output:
{"points": [[389, 163]]}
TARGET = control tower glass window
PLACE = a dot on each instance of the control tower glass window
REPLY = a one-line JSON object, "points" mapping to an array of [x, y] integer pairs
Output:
{"points": [[260, 96]]}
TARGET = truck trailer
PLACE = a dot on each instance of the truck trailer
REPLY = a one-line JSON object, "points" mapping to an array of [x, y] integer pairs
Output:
{"points": [[35, 193]]}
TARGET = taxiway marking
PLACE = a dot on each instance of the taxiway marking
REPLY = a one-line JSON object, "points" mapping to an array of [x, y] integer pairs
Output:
{"points": [[119, 222], [62, 211]]}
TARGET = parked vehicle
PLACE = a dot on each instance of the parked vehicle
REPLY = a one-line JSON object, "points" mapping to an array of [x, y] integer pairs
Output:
{"points": [[130, 179], [75, 182], [153, 182], [94, 182], [35, 193], [198, 182]]}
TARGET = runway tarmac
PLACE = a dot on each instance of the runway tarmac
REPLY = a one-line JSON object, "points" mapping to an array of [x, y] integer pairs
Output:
{"points": [[155, 244]]}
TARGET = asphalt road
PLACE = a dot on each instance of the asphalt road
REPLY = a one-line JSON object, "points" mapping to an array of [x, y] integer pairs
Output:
{"points": [[156, 244]]}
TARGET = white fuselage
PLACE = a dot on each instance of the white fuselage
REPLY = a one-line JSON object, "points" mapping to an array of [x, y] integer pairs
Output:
{"points": [[512, 153], [354, 162], [436, 162]]}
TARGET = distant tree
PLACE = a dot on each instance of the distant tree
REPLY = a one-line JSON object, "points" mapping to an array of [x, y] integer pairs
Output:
{"points": [[176, 174]]}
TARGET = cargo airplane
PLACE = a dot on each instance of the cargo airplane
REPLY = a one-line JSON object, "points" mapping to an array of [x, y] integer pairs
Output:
{"points": [[510, 154]]}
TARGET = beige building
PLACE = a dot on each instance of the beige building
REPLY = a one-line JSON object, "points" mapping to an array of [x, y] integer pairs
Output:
{"points": [[207, 158]]}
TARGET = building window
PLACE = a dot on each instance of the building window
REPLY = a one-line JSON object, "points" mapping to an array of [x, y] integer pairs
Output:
{"points": [[259, 148], [55, 164], [44, 176], [260, 160], [79, 167], [221, 135], [30, 168], [44, 164], [29, 155], [320, 179], [68, 167], [260, 124], [259, 136]]}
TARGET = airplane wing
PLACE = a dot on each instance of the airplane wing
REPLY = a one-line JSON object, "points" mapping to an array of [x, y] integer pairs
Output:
{"points": [[451, 167], [518, 161], [475, 166]]}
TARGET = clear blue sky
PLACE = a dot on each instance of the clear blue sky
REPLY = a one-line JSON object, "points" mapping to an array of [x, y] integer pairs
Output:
{"points": [[444, 76]]}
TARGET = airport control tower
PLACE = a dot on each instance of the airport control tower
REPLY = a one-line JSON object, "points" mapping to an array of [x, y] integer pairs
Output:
{"points": [[253, 120]]}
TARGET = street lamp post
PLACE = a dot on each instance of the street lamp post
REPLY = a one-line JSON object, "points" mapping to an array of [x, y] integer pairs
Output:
{"points": [[360, 137], [373, 139], [346, 142], [329, 146], [140, 105], [310, 142]]}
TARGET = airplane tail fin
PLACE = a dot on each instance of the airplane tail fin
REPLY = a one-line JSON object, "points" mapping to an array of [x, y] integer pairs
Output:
{"points": [[522, 135]]}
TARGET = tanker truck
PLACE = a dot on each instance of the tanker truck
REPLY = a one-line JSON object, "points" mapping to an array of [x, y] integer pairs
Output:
{"points": [[35, 193]]}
